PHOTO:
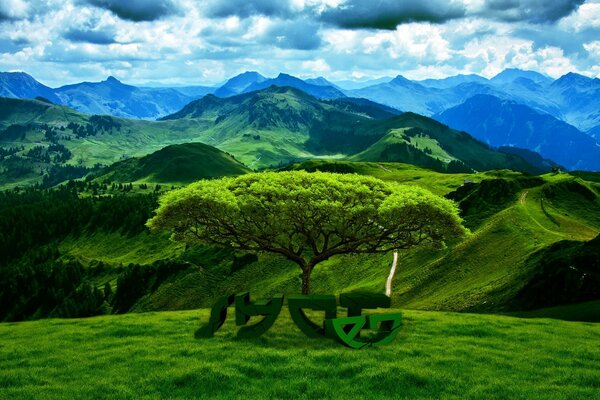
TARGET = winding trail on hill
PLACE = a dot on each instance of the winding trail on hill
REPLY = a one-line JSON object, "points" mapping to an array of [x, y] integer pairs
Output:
{"points": [[523, 197], [523, 202]]}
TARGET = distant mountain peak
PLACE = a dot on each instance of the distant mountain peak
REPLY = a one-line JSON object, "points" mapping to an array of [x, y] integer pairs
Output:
{"points": [[286, 77], [400, 79], [239, 83], [512, 74], [112, 79], [573, 77], [249, 73]]}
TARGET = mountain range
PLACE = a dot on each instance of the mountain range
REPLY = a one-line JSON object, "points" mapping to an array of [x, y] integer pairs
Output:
{"points": [[46, 143], [516, 108], [500, 122], [110, 96], [572, 98]]}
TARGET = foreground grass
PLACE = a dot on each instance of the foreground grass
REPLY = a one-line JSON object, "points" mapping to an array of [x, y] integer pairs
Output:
{"points": [[436, 355]]}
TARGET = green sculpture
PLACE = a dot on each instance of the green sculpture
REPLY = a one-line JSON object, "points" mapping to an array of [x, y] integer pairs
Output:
{"points": [[244, 309], [218, 315], [346, 330], [296, 304], [356, 301]]}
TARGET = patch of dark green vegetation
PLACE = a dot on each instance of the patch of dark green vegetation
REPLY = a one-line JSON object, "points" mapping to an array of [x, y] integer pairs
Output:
{"points": [[566, 272], [32, 218], [479, 201]]}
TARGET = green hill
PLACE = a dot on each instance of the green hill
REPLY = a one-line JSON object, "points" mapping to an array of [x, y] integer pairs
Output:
{"points": [[515, 219], [272, 126], [436, 355], [180, 163], [414, 139], [48, 144], [280, 124]]}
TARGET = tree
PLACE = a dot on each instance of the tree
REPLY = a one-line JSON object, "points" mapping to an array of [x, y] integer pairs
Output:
{"points": [[307, 217]]}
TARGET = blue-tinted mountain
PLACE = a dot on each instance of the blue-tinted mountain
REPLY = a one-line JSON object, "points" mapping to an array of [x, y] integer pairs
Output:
{"points": [[320, 81], [579, 99], [318, 91], [19, 85], [116, 98], [595, 133], [239, 83], [432, 96], [499, 122], [452, 81], [353, 85], [193, 92], [512, 74], [404, 94]]}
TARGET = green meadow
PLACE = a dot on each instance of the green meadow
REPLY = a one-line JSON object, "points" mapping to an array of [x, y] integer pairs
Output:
{"points": [[436, 355]]}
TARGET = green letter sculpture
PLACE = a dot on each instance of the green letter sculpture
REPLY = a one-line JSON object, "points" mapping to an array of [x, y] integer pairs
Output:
{"points": [[345, 330], [244, 309], [326, 303], [355, 302], [217, 318]]}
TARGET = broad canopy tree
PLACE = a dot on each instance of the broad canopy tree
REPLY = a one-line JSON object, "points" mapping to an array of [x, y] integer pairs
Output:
{"points": [[307, 217]]}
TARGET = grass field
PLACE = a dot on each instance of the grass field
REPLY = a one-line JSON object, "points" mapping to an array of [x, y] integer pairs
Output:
{"points": [[436, 355]]}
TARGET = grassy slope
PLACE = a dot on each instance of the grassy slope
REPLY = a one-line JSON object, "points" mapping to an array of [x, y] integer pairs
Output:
{"points": [[483, 273], [180, 164], [436, 355], [445, 144], [268, 128]]}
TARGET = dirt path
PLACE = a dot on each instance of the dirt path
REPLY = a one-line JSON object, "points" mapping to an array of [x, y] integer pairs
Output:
{"points": [[522, 201], [523, 197], [388, 284]]}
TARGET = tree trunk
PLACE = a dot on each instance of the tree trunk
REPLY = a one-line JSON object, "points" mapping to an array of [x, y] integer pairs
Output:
{"points": [[306, 270]]}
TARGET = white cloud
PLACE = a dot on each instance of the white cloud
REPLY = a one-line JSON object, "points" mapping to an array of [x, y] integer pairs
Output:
{"points": [[13, 9], [593, 48], [68, 40], [586, 17], [318, 66]]}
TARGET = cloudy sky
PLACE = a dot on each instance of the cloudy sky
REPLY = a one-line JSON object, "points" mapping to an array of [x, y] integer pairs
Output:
{"points": [[208, 41]]}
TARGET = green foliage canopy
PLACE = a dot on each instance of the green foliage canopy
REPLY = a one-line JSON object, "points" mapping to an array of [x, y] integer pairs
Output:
{"points": [[307, 217]]}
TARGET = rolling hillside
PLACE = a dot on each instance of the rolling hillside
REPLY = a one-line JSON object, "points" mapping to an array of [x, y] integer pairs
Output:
{"points": [[358, 128], [273, 126], [414, 139], [47, 144], [516, 221], [180, 163]]}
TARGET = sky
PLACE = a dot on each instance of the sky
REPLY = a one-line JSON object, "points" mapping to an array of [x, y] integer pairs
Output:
{"points": [[194, 42]]}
